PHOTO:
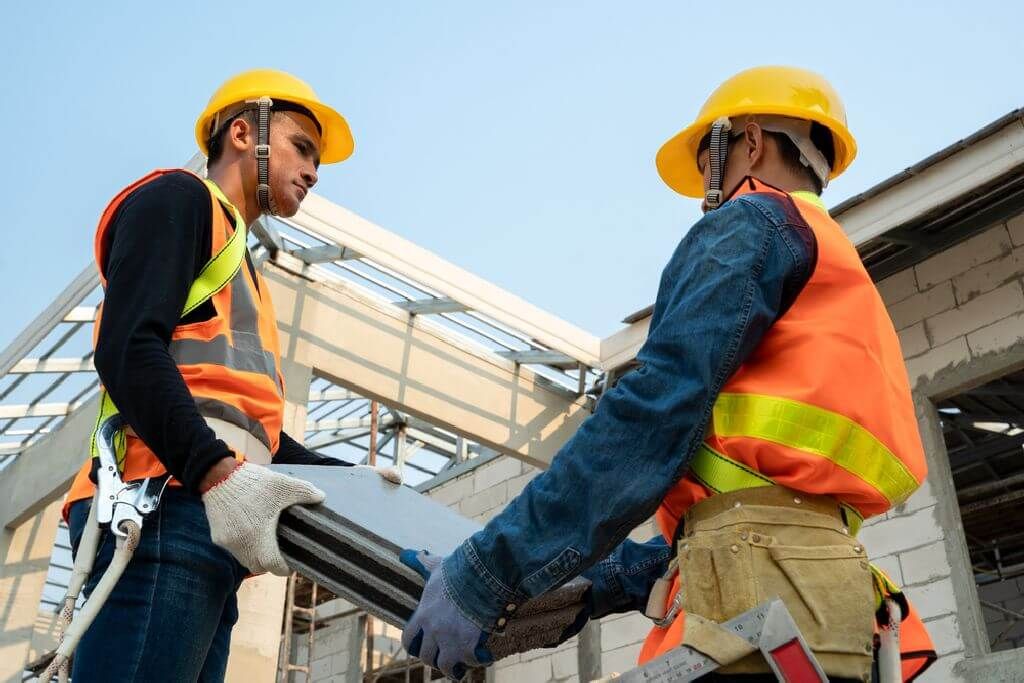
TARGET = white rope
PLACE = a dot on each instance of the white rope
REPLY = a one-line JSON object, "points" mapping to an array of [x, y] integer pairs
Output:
{"points": [[76, 628]]}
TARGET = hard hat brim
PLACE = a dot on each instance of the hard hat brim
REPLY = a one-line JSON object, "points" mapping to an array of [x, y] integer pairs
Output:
{"points": [[677, 159]]}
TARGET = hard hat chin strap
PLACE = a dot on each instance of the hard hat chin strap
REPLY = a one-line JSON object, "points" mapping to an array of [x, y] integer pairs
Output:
{"points": [[718, 150], [263, 194]]}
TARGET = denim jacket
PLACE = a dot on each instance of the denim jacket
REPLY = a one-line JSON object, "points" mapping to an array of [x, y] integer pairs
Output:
{"points": [[730, 278]]}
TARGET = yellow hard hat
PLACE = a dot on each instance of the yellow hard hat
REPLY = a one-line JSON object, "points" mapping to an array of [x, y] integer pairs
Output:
{"points": [[336, 142], [779, 90]]}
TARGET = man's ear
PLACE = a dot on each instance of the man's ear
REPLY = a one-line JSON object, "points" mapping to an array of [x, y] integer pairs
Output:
{"points": [[755, 140], [239, 134]]}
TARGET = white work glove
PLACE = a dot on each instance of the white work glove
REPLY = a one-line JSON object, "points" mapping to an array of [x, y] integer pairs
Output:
{"points": [[243, 511], [386, 473]]}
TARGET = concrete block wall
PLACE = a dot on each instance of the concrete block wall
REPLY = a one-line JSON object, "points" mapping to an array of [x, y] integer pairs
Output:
{"points": [[962, 304], [960, 319], [338, 652]]}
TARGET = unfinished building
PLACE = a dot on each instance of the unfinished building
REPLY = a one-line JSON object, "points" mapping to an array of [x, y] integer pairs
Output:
{"points": [[393, 355]]}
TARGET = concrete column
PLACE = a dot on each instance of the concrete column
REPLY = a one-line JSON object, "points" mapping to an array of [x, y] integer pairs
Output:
{"points": [[25, 552], [970, 619], [588, 652]]}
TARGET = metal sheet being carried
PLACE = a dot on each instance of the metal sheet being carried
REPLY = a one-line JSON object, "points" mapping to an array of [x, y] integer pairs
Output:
{"points": [[350, 543]]}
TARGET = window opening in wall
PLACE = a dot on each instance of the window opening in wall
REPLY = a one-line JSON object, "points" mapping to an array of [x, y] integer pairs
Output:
{"points": [[984, 433]]}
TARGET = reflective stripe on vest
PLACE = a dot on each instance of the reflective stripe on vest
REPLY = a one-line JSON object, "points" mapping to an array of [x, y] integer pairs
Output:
{"points": [[246, 354], [721, 474], [815, 431]]}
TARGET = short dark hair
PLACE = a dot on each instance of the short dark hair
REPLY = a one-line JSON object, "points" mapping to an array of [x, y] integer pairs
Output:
{"points": [[821, 137], [215, 145]]}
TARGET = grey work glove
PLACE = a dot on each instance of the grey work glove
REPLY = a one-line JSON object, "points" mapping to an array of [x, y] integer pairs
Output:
{"points": [[545, 621], [438, 632], [244, 509]]}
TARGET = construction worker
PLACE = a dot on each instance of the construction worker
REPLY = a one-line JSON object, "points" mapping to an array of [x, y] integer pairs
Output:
{"points": [[187, 351], [769, 414]]}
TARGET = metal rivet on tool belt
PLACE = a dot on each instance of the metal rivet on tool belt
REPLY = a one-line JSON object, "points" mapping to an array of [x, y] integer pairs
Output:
{"points": [[735, 548], [857, 549], [756, 538], [743, 536], [510, 607], [737, 504], [502, 621], [796, 500]]}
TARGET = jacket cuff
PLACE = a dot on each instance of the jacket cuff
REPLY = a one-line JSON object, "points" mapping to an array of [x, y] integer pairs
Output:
{"points": [[481, 596]]}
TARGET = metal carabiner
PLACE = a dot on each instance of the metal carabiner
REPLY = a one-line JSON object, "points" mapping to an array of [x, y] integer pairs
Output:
{"points": [[119, 501]]}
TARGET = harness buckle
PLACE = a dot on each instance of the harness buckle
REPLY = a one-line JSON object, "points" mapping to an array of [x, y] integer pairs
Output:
{"points": [[713, 198], [673, 611]]}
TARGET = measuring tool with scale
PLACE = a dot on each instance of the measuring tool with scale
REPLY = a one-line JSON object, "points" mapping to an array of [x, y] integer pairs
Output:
{"points": [[769, 627]]}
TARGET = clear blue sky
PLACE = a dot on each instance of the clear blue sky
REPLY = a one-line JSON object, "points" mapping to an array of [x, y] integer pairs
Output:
{"points": [[515, 139]]}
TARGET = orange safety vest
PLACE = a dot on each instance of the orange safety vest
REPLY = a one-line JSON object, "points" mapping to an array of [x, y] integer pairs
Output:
{"points": [[230, 363], [822, 405]]}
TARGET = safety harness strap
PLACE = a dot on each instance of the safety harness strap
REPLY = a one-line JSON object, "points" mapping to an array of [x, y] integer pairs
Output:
{"points": [[213, 277]]}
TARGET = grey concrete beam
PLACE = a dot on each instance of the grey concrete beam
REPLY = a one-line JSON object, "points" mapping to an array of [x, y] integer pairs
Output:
{"points": [[29, 366], [539, 357], [361, 342], [44, 470], [326, 253], [62, 306], [434, 305]]}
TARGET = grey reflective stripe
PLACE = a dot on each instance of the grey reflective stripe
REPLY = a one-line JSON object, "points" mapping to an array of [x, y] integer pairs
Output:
{"points": [[244, 314], [218, 351], [245, 324], [211, 407]]}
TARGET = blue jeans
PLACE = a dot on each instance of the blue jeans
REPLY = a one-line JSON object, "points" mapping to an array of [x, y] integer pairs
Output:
{"points": [[170, 616]]}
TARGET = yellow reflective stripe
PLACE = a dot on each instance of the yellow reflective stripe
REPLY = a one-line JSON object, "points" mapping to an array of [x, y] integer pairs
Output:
{"points": [[884, 586], [721, 474], [810, 198], [108, 410], [223, 266], [211, 279], [816, 431]]}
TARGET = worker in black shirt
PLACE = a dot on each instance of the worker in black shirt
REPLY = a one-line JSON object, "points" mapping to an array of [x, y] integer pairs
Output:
{"points": [[188, 355]]}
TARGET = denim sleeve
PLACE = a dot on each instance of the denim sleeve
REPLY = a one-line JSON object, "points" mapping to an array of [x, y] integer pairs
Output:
{"points": [[622, 581], [726, 283]]}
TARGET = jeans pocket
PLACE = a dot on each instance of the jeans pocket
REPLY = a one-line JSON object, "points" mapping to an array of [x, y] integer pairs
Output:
{"points": [[827, 589]]}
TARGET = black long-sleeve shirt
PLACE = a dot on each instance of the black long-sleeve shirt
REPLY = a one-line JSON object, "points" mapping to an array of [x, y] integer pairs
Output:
{"points": [[158, 241]]}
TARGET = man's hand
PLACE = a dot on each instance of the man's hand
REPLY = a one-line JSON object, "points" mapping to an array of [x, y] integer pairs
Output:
{"points": [[243, 509], [438, 633]]}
